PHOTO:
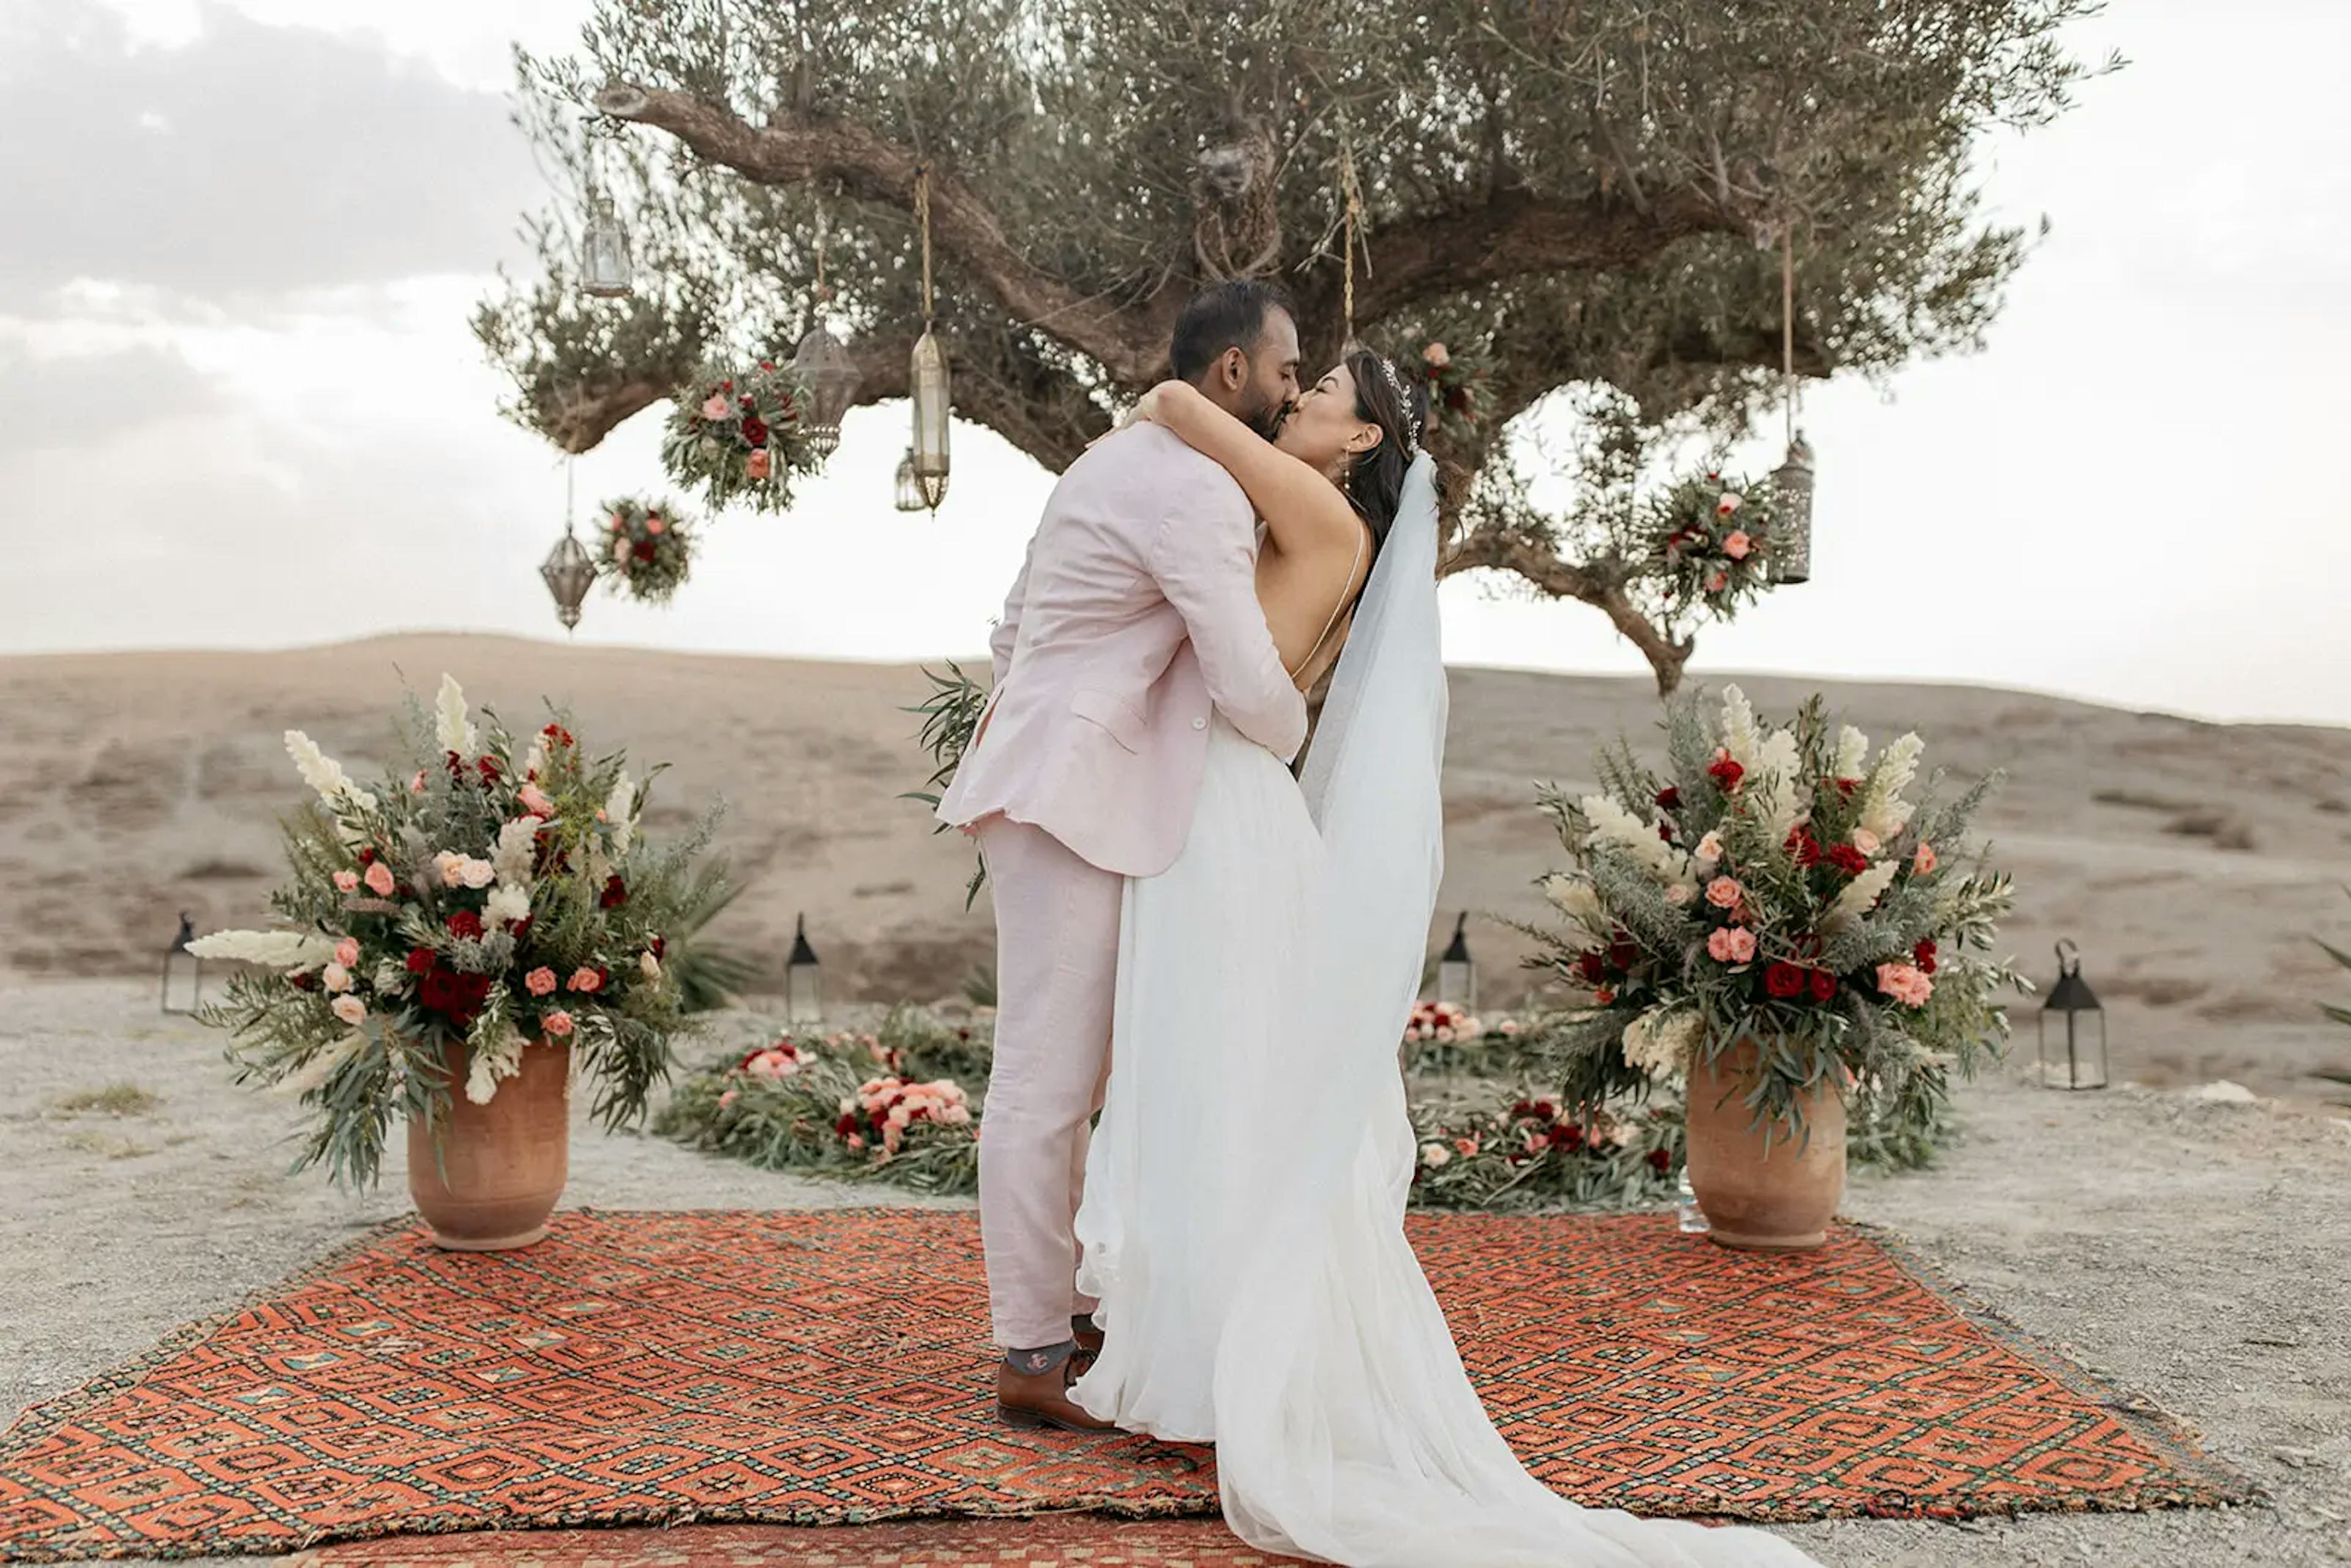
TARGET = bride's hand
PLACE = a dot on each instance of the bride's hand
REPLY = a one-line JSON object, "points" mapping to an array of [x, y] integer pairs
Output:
{"points": [[1146, 409]]}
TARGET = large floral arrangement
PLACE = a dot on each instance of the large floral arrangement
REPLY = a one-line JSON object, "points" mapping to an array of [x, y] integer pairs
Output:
{"points": [[649, 548], [817, 1103], [1535, 1152], [1713, 545], [736, 434], [484, 899], [1775, 886]]}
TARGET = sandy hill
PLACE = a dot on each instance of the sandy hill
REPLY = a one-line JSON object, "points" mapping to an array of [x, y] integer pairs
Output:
{"points": [[2191, 860]]}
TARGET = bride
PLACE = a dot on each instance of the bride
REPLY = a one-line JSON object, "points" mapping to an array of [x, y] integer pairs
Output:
{"points": [[1243, 1217]]}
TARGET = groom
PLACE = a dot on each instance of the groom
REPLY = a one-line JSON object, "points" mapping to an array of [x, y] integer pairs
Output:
{"points": [[1135, 614]]}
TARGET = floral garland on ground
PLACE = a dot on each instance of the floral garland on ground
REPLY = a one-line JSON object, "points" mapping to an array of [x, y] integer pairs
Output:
{"points": [[651, 550], [1776, 887], [1440, 1037], [736, 435], [495, 897], [1713, 545], [1531, 1154], [1456, 382]]}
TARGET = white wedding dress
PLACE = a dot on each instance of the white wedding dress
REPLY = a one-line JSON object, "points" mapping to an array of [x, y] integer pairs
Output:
{"points": [[1243, 1218]]}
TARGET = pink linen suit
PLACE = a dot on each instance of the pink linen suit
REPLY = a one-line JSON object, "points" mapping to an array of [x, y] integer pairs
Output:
{"points": [[1134, 616]]}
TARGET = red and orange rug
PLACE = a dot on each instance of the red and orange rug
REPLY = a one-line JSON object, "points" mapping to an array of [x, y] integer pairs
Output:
{"points": [[828, 1368]]}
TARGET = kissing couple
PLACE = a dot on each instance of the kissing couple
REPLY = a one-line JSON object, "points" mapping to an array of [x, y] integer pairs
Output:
{"points": [[1220, 957]]}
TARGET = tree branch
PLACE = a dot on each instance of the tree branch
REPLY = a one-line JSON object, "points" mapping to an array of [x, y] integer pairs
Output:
{"points": [[794, 148], [1562, 580]]}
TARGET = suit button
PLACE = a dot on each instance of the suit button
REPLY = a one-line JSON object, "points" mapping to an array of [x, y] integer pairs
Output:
{"points": [[1200, 724]]}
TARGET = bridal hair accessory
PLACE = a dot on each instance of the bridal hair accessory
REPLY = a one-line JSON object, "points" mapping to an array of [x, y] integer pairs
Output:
{"points": [[1404, 404]]}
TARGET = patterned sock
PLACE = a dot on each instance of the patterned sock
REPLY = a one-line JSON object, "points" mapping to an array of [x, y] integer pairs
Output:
{"points": [[1037, 1362]]}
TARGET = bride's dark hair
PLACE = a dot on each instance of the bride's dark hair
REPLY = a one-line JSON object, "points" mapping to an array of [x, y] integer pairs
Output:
{"points": [[1398, 403]]}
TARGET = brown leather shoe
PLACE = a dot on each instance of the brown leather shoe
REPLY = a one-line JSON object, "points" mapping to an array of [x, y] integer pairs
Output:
{"points": [[1041, 1400], [1089, 1339]]}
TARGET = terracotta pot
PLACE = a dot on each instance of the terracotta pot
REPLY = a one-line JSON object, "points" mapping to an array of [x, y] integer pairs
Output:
{"points": [[499, 1167], [1776, 1200]]}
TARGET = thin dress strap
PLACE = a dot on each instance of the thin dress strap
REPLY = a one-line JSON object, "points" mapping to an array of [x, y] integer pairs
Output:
{"points": [[1346, 598]]}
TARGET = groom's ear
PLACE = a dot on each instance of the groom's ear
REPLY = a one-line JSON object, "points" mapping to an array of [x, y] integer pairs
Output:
{"points": [[1230, 372]]}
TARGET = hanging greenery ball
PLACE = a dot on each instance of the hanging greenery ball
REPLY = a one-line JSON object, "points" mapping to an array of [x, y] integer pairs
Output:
{"points": [[738, 435], [645, 548], [1712, 536]]}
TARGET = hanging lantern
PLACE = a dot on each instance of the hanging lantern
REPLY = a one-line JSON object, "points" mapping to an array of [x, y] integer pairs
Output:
{"points": [[604, 268], [1791, 514], [2073, 1004], [831, 378], [802, 1003], [910, 489], [1457, 975], [171, 957], [568, 573], [929, 454]]}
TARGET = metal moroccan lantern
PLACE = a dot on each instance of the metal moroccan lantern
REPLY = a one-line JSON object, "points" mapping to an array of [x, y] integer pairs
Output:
{"points": [[829, 376], [910, 489], [604, 268], [569, 574], [803, 1003], [1457, 973], [929, 454], [2072, 1005], [1791, 514], [172, 956]]}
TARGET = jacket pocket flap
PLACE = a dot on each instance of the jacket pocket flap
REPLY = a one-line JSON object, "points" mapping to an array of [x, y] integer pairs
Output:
{"points": [[1125, 725]]}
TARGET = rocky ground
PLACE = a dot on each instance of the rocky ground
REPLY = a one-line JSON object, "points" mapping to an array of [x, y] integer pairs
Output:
{"points": [[2190, 1246]]}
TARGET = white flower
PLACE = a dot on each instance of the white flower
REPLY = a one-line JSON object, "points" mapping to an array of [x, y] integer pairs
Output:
{"points": [[616, 809], [509, 904], [1859, 894], [1659, 1044], [1866, 841], [292, 951], [1710, 854], [456, 729], [390, 977], [351, 1010], [1611, 822], [493, 1060], [322, 1064], [649, 965], [448, 864], [336, 978], [516, 845], [1578, 901], [1435, 1155], [1728, 503], [1740, 737], [1681, 893], [476, 873], [1852, 753], [620, 551], [325, 776], [1776, 803], [536, 757], [1883, 809]]}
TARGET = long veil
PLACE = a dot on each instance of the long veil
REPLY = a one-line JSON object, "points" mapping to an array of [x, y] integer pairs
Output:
{"points": [[1346, 1428]]}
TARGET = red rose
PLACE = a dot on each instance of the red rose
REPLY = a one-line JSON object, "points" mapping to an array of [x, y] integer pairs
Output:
{"points": [[1660, 1161], [421, 960], [642, 549], [521, 929], [1669, 799], [465, 923], [1522, 1109], [1923, 955], [1546, 1110], [1847, 859], [754, 430], [1845, 787], [659, 948], [489, 766], [616, 894], [1588, 966], [1800, 845], [303, 982], [1666, 832], [1726, 773], [1785, 980], [847, 1127], [766, 364], [1566, 1135], [366, 858], [1824, 986]]}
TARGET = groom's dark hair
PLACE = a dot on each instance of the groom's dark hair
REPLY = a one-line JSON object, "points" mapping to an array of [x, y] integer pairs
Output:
{"points": [[1229, 316]]}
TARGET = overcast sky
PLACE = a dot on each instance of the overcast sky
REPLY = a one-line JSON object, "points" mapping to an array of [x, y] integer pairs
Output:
{"points": [[239, 405]]}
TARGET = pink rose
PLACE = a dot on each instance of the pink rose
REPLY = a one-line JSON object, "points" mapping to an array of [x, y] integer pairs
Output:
{"points": [[718, 408], [1737, 546], [347, 882], [540, 982], [1731, 945], [727, 1099], [1923, 862], [755, 465], [1467, 1147], [587, 979], [622, 551], [347, 951], [416, 785], [856, 1141], [351, 1009], [535, 801], [336, 978], [654, 526], [1717, 582], [379, 880], [1436, 356], [558, 1024], [620, 524], [1679, 893], [1906, 984], [1724, 892], [1866, 841]]}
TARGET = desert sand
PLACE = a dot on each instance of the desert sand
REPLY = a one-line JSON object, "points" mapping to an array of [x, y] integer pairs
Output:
{"points": [[2193, 862]]}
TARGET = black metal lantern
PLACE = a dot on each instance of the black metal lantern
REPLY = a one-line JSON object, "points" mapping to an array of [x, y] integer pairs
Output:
{"points": [[910, 489], [1791, 514], [605, 271], [831, 377], [171, 957], [803, 1004], [1456, 974], [2072, 1002]]}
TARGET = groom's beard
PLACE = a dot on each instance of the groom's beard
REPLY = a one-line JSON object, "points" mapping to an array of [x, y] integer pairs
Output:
{"points": [[1268, 421]]}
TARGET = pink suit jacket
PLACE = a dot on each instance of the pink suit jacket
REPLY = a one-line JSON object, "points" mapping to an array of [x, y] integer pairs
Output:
{"points": [[1134, 616]]}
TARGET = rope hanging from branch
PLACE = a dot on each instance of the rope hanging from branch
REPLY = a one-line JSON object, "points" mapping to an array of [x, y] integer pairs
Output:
{"points": [[1788, 325], [1351, 194], [923, 220]]}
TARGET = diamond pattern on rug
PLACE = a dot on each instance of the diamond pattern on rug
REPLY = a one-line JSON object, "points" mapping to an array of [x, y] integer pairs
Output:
{"points": [[831, 1368]]}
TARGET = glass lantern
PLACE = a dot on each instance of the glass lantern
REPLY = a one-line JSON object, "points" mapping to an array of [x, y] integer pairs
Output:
{"points": [[569, 574], [172, 957], [928, 377], [604, 268], [2072, 1005], [1456, 974], [910, 489], [1791, 514], [831, 377], [803, 1003]]}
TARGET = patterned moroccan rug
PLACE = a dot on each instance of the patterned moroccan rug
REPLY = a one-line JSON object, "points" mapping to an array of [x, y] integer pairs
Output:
{"points": [[827, 1368]]}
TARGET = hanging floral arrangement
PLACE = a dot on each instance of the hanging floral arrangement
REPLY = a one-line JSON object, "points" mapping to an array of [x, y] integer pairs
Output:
{"points": [[1455, 378], [1713, 544], [648, 549], [736, 435]]}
